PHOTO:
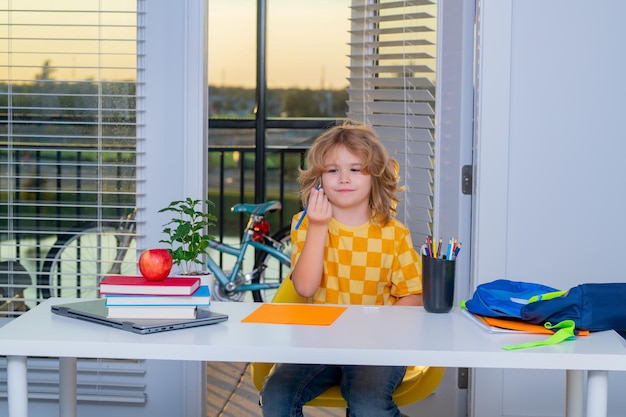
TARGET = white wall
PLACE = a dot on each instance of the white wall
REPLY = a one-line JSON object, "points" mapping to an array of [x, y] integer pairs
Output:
{"points": [[549, 153]]}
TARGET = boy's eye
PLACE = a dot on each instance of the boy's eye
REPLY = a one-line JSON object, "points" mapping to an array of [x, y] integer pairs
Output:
{"points": [[356, 169], [331, 170]]}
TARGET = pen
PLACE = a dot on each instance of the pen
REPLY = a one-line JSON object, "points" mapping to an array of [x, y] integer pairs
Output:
{"points": [[305, 210], [457, 250]]}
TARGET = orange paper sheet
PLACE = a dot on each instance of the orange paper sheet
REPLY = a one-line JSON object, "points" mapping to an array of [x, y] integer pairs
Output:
{"points": [[522, 326], [305, 314]]}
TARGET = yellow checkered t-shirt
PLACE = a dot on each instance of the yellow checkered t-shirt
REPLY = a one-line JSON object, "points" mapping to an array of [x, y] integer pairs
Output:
{"points": [[367, 264]]}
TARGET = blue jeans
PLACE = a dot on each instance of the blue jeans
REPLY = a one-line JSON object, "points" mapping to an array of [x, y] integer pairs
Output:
{"points": [[367, 389]]}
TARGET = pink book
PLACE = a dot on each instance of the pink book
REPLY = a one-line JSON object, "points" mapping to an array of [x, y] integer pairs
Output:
{"points": [[138, 285]]}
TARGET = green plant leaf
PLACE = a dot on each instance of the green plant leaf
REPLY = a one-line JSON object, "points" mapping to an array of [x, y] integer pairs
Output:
{"points": [[186, 232]]}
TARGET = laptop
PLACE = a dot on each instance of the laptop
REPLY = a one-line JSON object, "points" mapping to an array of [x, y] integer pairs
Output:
{"points": [[96, 312]]}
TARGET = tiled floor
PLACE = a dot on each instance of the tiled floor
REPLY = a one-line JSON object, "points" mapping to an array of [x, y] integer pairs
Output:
{"points": [[231, 393]]}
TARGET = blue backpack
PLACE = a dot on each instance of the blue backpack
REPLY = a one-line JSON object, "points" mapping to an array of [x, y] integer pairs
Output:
{"points": [[593, 307], [506, 299]]}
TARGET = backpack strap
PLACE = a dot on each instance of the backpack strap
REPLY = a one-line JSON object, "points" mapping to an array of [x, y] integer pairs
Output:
{"points": [[565, 332]]}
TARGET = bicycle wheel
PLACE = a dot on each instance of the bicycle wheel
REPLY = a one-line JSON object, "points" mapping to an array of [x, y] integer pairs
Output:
{"points": [[272, 271], [78, 262]]}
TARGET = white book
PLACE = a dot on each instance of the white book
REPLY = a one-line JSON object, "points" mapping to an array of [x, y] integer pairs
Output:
{"points": [[151, 312]]}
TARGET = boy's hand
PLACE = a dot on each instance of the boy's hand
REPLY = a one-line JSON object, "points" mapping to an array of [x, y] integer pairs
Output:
{"points": [[320, 210], [307, 272]]}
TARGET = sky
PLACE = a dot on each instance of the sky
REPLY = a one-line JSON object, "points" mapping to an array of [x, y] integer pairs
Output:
{"points": [[307, 43]]}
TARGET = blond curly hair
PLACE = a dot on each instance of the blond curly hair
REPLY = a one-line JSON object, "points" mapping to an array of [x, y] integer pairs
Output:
{"points": [[364, 142]]}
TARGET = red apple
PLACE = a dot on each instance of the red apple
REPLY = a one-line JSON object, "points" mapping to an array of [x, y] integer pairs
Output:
{"points": [[155, 264]]}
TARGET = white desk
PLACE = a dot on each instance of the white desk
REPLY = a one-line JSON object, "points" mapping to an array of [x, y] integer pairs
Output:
{"points": [[362, 335]]}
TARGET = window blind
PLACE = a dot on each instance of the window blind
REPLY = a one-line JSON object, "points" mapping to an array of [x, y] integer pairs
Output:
{"points": [[69, 83], [392, 88], [69, 87]]}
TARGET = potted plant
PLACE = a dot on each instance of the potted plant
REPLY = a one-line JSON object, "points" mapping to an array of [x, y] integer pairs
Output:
{"points": [[187, 235]]}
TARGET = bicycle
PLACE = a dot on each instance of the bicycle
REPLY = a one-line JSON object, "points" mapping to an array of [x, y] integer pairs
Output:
{"points": [[79, 260], [272, 264], [82, 257]]}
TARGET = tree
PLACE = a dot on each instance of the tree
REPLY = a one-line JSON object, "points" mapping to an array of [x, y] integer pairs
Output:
{"points": [[46, 71]]}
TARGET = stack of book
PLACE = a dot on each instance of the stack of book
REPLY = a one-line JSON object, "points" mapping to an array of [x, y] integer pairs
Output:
{"points": [[134, 297]]}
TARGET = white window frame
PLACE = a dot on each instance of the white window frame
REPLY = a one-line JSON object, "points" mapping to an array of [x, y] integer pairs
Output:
{"points": [[175, 111], [175, 149]]}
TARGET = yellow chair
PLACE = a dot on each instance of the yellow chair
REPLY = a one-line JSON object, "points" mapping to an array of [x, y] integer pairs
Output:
{"points": [[418, 383]]}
